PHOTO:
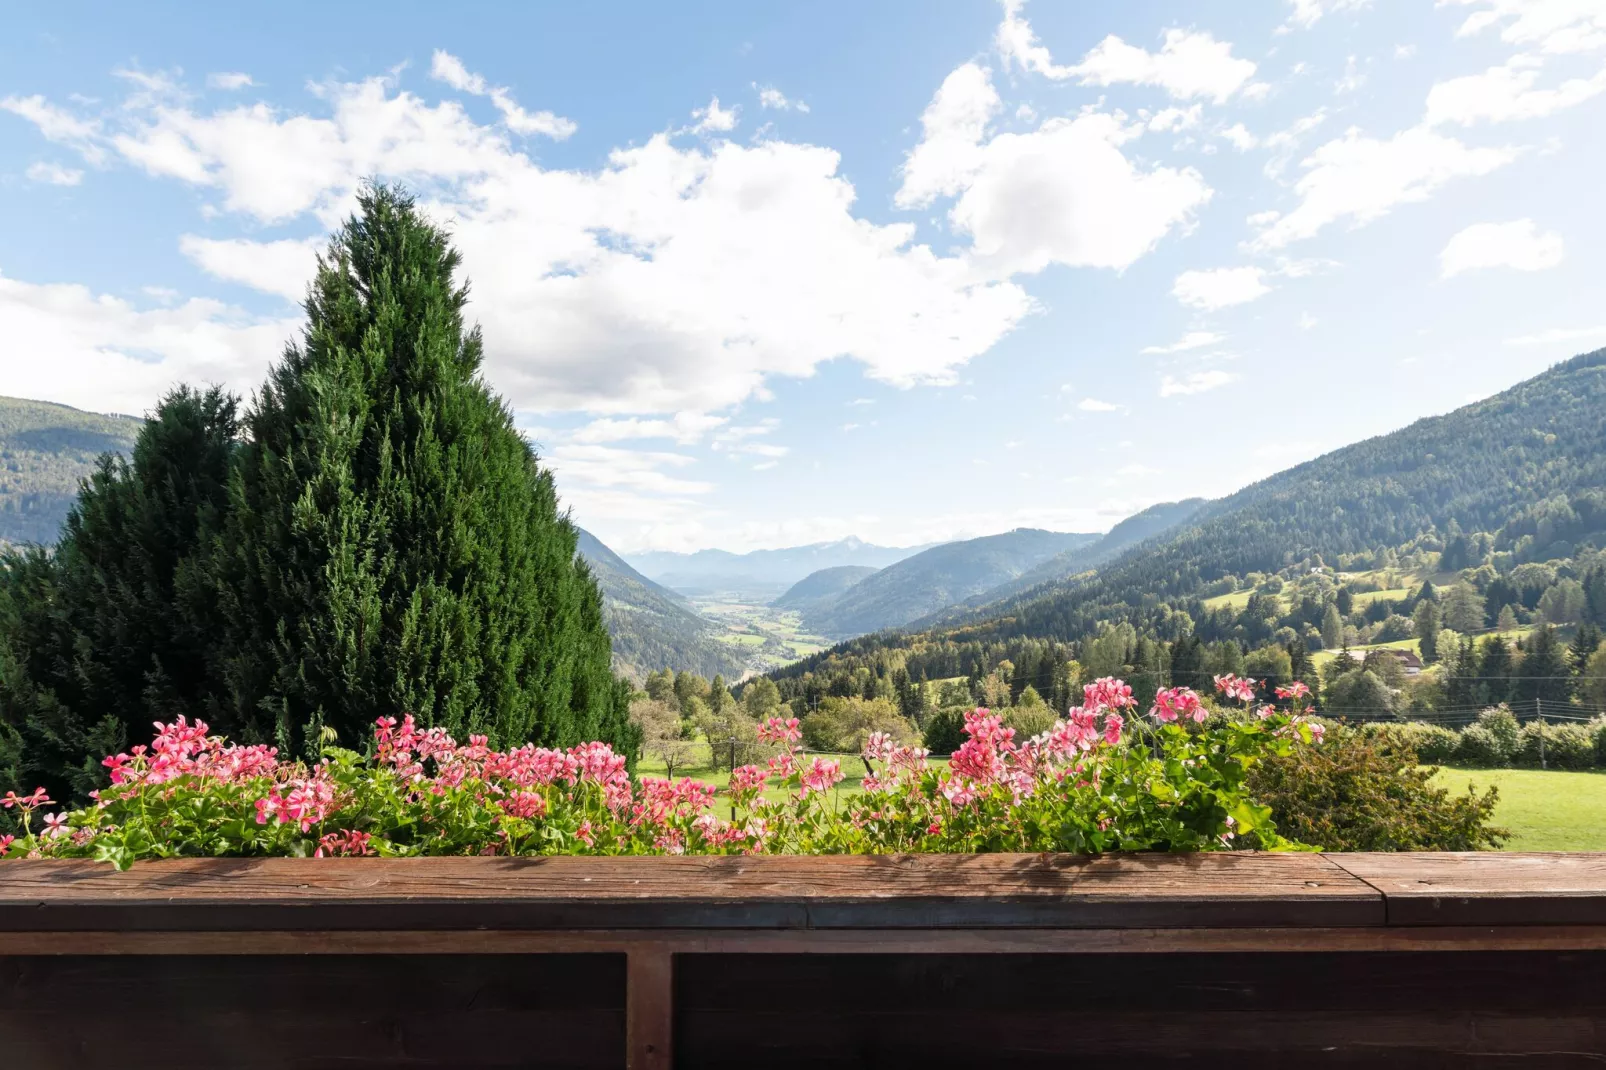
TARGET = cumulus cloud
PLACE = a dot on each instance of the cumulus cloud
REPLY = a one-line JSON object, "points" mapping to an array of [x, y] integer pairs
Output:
{"points": [[685, 428], [1517, 244], [1505, 93], [1362, 179], [673, 278], [102, 353], [1195, 383], [714, 119], [1189, 63], [1064, 193], [283, 267], [229, 80], [60, 125], [445, 67], [1240, 137], [1095, 405], [1220, 287], [53, 174]]}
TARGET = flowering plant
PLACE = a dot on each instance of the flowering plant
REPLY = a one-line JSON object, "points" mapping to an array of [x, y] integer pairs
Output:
{"points": [[1100, 779]]}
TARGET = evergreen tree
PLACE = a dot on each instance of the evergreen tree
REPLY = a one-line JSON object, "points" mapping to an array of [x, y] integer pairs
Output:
{"points": [[118, 627], [1544, 675], [394, 547], [1426, 623], [1495, 668], [1332, 628], [1595, 596], [1584, 644]]}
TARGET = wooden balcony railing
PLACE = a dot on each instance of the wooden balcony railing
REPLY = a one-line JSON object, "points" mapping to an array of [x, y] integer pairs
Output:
{"points": [[980, 961]]}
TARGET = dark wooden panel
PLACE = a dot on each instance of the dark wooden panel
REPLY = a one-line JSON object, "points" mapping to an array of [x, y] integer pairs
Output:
{"points": [[1485, 888], [1253, 1009], [285, 1011], [914, 891]]}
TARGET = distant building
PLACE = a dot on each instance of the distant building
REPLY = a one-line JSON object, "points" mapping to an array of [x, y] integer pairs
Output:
{"points": [[1409, 660]]}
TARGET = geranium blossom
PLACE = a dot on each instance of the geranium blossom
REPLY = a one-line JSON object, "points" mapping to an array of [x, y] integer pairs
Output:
{"points": [[1235, 687]]}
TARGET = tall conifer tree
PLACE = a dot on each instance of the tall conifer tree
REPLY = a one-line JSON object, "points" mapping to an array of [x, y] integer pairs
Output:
{"points": [[393, 546]]}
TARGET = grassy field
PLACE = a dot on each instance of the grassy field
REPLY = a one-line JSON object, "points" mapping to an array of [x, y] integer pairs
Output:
{"points": [[1545, 811], [768, 638]]}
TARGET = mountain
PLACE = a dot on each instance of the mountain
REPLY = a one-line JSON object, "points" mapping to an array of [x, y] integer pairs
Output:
{"points": [[1137, 528], [936, 578], [45, 450], [1527, 467], [818, 588], [761, 573], [653, 628]]}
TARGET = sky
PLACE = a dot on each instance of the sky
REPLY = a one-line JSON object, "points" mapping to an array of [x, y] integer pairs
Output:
{"points": [[761, 274]]}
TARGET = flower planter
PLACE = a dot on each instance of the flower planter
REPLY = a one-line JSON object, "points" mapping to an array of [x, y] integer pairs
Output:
{"points": [[984, 960]]}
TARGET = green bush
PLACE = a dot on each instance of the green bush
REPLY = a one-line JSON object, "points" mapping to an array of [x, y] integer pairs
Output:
{"points": [[1567, 746], [1597, 732], [1363, 791], [1029, 721], [1433, 744], [945, 730], [1480, 747]]}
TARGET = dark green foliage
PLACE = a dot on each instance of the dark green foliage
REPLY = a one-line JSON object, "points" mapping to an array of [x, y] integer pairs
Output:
{"points": [[945, 730], [1566, 746], [118, 628], [1361, 792], [45, 452], [1432, 743], [394, 546]]}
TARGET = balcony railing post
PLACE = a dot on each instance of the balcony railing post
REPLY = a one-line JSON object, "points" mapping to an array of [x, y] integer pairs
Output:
{"points": [[649, 1008]]}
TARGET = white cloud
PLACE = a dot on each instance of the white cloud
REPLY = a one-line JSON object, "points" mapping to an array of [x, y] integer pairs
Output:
{"points": [[1189, 64], [229, 80], [445, 67], [1554, 26], [1404, 51], [1307, 13], [1220, 287], [770, 97], [1306, 321], [1190, 340], [1505, 93], [1352, 78], [1517, 244], [1095, 405], [1196, 383], [670, 279], [59, 125], [609, 467], [282, 267], [1061, 194], [714, 119], [1587, 335], [104, 354], [1241, 138], [685, 428], [950, 151], [53, 174], [1174, 119], [1362, 178]]}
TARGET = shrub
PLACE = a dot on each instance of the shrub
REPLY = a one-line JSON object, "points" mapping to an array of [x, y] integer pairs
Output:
{"points": [[945, 730], [1363, 791], [1597, 731], [842, 725], [1029, 721], [1433, 744], [1567, 746], [1480, 747], [1094, 783]]}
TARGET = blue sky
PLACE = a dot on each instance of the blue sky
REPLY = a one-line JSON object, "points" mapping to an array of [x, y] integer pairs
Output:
{"points": [[763, 274]]}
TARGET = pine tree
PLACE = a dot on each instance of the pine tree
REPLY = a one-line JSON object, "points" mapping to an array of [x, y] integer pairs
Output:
{"points": [[1584, 644], [1544, 672], [394, 547], [1426, 623], [117, 628]]}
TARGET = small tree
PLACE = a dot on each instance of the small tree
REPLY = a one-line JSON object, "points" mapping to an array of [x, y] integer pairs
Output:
{"points": [[1425, 622], [662, 733]]}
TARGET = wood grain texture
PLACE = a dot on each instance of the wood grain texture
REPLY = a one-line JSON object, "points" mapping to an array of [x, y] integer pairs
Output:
{"points": [[1485, 889], [880, 892]]}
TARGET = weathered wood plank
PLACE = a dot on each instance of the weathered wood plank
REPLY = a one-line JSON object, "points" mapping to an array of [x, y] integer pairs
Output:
{"points": [[910, 891], [1485, 888], [650, 1009]]}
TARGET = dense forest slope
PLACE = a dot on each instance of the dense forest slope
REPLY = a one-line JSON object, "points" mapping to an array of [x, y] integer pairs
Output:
{"points": [[1528, 464], [653, 628], [818, 588], [45, 450], [936, 578]]}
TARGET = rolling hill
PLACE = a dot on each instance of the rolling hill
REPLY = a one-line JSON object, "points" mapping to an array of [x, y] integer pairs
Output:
{"points": [[819, 588], [1528, 465], [45, 450], [653, 628], [936, 578]]}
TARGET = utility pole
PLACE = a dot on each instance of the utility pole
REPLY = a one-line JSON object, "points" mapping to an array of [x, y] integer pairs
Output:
{"points": [[1539, 709]]}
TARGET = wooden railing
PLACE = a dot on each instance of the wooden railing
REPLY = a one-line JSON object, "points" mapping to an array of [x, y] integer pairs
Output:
{"points": [[982, 961]]}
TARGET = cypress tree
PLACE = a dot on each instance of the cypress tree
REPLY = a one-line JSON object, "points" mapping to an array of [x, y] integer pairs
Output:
{"points": [[116, 628], [393, 545]]}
